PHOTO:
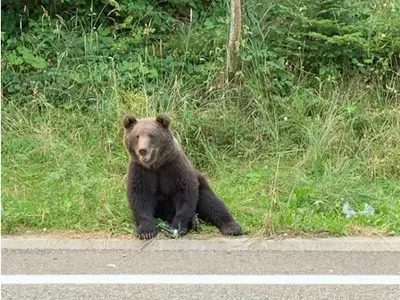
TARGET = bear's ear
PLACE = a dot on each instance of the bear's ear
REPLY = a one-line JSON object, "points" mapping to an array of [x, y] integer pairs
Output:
{"points": [[129, 121], [164, 120]]}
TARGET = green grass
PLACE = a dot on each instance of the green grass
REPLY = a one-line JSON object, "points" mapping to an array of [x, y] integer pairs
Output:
{"points": [[285, 150], [65, 169]]}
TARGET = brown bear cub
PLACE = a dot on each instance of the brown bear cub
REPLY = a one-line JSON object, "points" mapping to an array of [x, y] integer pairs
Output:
{"points": [[163, 184]]}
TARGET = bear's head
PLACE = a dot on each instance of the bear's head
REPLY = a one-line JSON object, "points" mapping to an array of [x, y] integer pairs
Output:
{"points": [[149, 141]]}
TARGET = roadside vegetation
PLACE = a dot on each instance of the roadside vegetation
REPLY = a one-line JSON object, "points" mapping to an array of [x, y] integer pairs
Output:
{"points": [[310, 122]]}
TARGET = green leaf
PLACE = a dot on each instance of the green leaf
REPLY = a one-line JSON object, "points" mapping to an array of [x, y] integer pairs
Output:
{"points": [[114, 3], [128, 19], [35, 61], [14, 59], [38, 62], [209, 24], [76, 77]]}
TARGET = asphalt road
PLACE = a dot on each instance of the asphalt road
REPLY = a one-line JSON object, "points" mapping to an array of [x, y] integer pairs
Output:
{"points": [[198, 262], [186, 262], [161, 292]]}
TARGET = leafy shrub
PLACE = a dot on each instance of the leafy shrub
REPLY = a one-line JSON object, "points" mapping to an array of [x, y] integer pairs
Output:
{"points": [[77, 50], [325, 38]]}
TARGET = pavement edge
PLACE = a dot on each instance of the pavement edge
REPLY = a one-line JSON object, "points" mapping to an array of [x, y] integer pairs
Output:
{"points": [[342, 244]]}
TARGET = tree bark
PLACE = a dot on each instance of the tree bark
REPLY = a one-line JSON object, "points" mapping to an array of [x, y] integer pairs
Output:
{"points": [[234, 38]]}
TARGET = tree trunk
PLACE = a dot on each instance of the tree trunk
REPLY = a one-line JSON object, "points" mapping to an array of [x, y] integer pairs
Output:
{"points": [[234, 38]]}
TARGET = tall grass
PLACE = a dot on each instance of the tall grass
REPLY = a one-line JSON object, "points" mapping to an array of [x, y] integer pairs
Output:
{"points": [[65, 169]]}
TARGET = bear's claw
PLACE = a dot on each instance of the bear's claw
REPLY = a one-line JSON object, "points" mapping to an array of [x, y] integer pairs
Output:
{"points": [[195, 223], [146, 233]]}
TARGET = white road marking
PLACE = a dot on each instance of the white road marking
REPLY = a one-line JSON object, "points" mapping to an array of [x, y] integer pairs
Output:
{"points": [[205, 279]]}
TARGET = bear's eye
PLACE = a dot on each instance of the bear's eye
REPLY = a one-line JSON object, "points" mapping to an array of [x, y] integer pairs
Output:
{"points": [[151, 135], [137, 136]]}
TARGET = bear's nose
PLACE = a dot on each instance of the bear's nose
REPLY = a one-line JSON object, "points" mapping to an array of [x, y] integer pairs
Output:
{"points": [[142, 152]]}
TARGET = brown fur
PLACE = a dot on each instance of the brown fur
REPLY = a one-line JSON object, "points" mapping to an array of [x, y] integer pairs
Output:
{"points": [[162, 183], [155, 136]]}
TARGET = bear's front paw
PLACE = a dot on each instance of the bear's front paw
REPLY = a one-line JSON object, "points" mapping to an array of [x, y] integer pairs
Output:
{"points": [[146, 232], [231, 228]]}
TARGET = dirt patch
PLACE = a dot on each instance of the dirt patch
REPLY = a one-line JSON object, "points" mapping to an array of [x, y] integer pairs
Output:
{"points": [[365, 231], [70, 234], [353, 231]]}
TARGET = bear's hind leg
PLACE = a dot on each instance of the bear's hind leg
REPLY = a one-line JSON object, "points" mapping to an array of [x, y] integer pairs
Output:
{"points": [[211, 209]]}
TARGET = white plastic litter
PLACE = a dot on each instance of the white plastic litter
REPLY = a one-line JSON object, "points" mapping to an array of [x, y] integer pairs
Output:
{"points": [[350, 212]]}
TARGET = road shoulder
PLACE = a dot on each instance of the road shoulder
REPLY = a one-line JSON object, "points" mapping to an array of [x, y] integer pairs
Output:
{"points": [[375, 244]]}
